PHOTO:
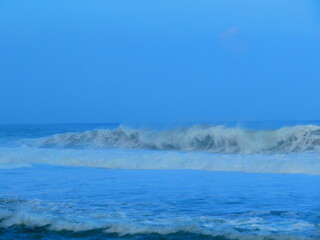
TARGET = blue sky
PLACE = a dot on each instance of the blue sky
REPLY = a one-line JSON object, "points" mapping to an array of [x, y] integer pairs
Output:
{"points": [[155, 61]]}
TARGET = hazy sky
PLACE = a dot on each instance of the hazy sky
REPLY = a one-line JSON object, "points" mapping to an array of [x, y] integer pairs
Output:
{"points": [[167, 60]]}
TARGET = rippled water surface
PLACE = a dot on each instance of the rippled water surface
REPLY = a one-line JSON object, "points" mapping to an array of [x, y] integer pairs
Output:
{"points": [[73, 202]]}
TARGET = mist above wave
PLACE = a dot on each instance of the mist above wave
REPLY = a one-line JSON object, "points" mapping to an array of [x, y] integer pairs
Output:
{"points": [[218, 139]]}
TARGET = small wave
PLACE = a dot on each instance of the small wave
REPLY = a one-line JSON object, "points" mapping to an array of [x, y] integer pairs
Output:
{"points": [[33, 214], [217, 139]]}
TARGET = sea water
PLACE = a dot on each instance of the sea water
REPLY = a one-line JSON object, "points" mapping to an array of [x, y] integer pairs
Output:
{"points": [[112, 181]]}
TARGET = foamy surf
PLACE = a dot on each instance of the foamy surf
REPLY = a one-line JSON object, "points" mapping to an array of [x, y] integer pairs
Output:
{"points": [[252, 225], [308, 163]]}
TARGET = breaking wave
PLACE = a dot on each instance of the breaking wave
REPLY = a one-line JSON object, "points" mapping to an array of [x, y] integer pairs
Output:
{"points": [[200, 147], [217, 139]]}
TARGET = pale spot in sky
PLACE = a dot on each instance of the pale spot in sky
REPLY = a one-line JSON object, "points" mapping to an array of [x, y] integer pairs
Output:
{"points": [[232, 40], [229, 33]]}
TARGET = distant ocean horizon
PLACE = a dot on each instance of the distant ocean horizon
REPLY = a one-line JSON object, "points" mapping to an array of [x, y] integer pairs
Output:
{"points": [[219, 180]]}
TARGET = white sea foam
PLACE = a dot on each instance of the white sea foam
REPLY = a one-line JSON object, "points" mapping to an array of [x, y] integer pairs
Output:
{"points": [[218, 139], [304, 163]]}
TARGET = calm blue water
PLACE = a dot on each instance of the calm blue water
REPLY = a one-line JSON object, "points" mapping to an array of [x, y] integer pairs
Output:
{"points": [[110, 181]]}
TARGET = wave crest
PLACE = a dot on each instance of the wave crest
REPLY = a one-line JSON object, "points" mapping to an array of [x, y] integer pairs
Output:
{"points": [[218, 139]]}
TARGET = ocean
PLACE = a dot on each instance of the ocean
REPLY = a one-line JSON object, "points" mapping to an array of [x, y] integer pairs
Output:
{"points": [[227, 180]]}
